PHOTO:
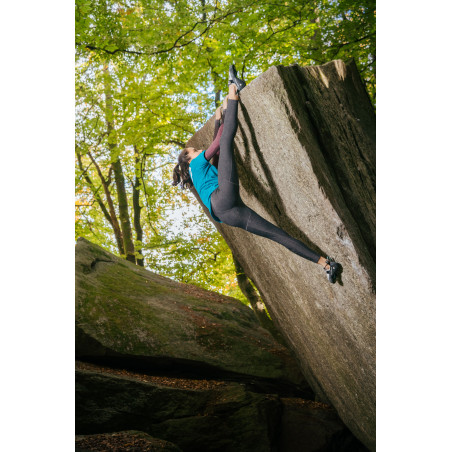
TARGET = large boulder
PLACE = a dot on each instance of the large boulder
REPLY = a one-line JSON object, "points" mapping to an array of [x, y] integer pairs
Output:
{"points": [[134, 317], [305, 151], [226, 417]]}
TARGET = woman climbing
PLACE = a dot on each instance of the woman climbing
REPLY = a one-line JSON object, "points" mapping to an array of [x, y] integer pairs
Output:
{"points": [[218, 188]]}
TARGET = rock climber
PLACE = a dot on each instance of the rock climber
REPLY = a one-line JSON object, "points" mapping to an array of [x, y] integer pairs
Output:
{"points": [[219, 188]]}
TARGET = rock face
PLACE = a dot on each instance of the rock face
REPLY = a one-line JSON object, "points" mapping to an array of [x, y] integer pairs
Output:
{"points": [[134, 317], [180, 338], [227, 418], [305, 151]]}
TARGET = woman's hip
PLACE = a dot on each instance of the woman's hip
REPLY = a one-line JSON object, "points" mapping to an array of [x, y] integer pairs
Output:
{"points": [[226, 198]]}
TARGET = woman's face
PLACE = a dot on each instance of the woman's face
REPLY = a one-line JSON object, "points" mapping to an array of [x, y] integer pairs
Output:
{"points": [[193, 153]]}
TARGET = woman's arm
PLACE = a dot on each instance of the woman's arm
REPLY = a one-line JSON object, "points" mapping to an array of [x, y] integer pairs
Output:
{"points": [[217, 126], [215, 146], [217, 121]]}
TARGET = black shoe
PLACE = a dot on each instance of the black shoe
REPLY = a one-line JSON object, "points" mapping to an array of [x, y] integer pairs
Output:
{"points": [[334, 271], [240, 84]]}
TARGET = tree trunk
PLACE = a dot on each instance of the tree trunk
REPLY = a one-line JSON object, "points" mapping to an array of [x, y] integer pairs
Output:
{"points": [[124, 211], [119, 176], [256, 302], [110, 216], [203, 5], [136, 207], [316, 37], [114, 219], [218, 98]]}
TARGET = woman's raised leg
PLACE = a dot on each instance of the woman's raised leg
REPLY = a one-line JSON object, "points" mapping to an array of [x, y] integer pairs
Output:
{"points": [[227, 194]]}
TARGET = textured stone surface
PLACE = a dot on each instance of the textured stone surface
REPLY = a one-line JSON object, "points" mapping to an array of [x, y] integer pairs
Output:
{"points": [[228, 418], [308, 427], [126, 312], [305, 151]]}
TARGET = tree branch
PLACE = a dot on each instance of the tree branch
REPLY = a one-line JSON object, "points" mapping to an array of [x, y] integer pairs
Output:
{"points": [[210, 24], [179, 143]]}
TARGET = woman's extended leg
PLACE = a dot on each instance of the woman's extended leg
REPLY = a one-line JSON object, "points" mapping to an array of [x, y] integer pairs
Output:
{"points": [[213, 151], [227, 203], [227, 193]]}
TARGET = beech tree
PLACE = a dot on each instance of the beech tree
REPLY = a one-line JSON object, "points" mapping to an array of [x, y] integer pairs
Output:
{"points": [[148, 75]]}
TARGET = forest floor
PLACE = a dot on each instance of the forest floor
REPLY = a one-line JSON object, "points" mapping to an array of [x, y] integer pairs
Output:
{"points": [[175, 382], [128, 441], [178, 382]]}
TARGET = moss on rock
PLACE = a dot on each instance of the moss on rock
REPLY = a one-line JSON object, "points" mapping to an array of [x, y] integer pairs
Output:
{"points": [[132, 311]]}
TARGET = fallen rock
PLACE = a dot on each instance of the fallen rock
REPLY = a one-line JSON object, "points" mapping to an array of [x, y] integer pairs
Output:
{"points": [[305, 154], [227, 418], [128, 315]]}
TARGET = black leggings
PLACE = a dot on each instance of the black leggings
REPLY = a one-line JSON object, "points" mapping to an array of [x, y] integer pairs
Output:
{"points": [[227, 204]]}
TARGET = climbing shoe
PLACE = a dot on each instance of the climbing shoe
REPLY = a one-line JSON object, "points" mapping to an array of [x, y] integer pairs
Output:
{"points": [[240, 84], [334, 270]]}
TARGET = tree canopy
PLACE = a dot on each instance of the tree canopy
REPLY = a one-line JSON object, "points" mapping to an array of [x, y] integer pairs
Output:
{"points": [[148, 75]]}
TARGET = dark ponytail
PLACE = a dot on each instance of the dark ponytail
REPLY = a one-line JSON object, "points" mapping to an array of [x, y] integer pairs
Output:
{"points": [[180, 173]]}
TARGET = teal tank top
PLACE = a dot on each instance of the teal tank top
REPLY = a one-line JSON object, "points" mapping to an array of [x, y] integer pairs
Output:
{"points": [[205, 179]]}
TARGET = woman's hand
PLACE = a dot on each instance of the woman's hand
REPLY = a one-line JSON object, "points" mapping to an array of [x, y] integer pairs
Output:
{"points": [[218, 113]]}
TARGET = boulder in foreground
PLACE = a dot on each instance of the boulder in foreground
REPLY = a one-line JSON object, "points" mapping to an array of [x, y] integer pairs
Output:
{"points": [[130, 314], [225, 417]]}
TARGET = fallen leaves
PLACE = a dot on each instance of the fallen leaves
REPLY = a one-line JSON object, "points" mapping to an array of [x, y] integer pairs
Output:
{"points": [[122, 442], [182, 383]]}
